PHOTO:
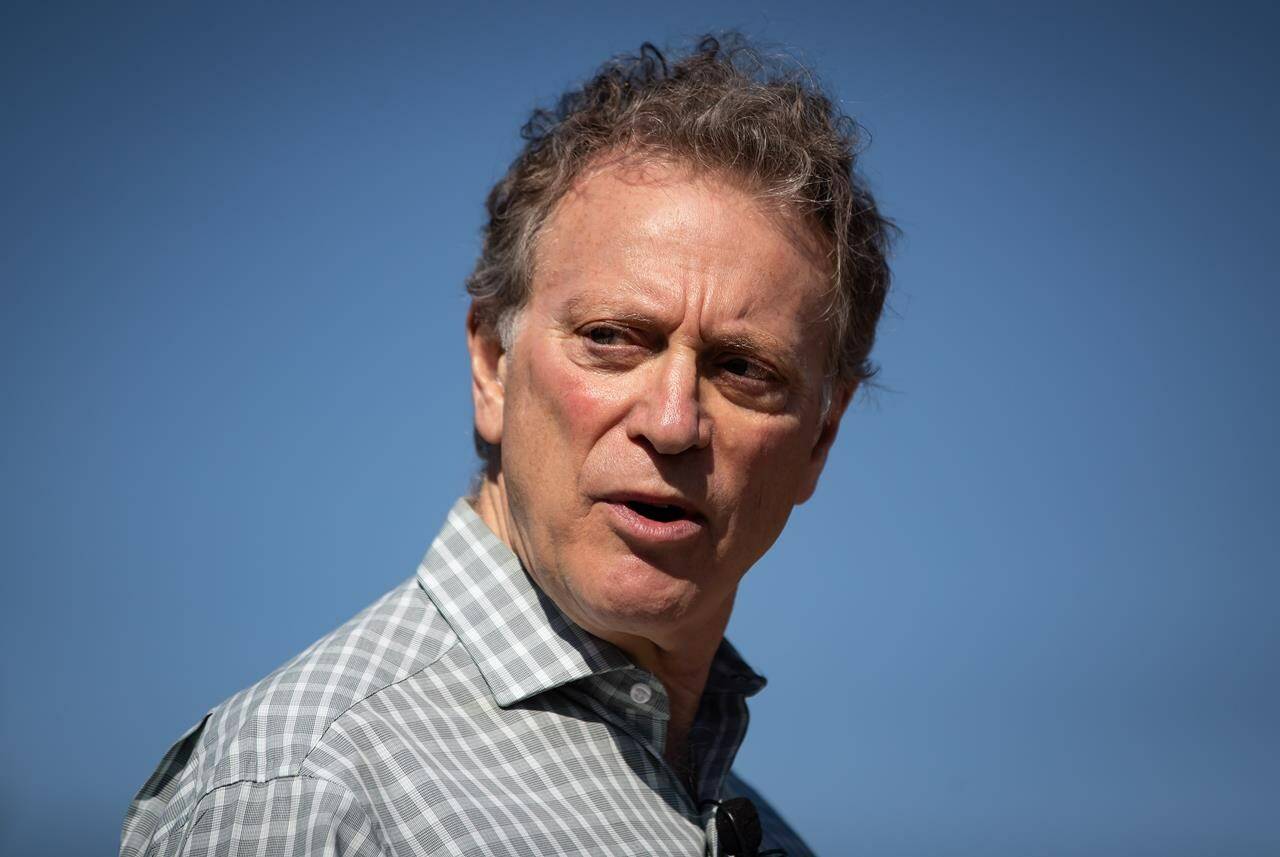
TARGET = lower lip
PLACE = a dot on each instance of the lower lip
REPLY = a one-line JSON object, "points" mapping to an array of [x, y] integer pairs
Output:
{"points": [[637, 526]]}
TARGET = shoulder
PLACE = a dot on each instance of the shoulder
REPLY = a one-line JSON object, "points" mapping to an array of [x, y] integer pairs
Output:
{"points": [[290, 816], [253, 747]]}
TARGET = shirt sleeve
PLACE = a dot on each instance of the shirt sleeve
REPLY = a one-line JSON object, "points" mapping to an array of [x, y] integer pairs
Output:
{"points": [[293, 816]]}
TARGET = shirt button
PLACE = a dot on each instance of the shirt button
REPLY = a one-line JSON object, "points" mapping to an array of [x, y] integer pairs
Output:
{"points": [[641, 693]]}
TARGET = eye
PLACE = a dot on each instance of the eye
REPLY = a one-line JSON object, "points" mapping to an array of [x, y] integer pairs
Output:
{"points": [[611, 346], [603, 334], [745, 368]]}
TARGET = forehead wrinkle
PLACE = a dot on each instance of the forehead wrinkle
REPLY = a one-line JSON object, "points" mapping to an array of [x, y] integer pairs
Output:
{"points": [[754, 306]]}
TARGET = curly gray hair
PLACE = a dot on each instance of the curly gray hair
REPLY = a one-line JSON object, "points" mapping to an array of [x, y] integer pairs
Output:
{"points": [[723, 107]]}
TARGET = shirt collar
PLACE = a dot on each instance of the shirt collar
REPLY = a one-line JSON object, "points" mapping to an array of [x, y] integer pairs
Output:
{"points": [[522, 643]]}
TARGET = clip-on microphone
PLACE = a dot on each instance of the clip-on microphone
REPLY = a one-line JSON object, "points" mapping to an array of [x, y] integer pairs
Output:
{"points": [[738, 828]]}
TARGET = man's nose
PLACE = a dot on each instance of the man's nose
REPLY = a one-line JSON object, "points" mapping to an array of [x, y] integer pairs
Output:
{"points": [[667, 412]]}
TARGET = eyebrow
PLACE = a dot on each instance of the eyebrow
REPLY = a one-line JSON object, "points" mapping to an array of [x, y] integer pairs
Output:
{"points": [[580, 305]]}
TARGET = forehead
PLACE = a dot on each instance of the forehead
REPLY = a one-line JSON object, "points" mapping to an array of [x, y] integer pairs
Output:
{"points": [[666, 234]]}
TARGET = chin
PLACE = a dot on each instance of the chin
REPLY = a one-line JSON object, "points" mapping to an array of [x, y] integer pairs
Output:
{"points": [[632, 596]]}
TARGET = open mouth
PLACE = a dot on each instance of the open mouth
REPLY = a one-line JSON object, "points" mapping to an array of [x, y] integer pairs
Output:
{"points": [[662, 514]]}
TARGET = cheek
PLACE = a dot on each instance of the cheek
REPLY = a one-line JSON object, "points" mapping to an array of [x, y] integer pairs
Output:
{"points": [[582, 408], [563, 412], [576, 401], [767, 465]]}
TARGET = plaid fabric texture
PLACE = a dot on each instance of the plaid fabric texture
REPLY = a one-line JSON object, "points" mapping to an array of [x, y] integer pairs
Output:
{"points": [[460, 714]]}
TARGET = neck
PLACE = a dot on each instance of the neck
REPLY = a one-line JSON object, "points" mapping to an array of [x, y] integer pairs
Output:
{"points": [[684, 680], [679, 659]]}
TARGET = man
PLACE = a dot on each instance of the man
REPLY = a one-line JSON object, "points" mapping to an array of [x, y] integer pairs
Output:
{"points": [[676, 298]]}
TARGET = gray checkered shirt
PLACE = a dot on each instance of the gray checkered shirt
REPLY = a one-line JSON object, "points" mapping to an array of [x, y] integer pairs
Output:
{"points": [[464, 714]]}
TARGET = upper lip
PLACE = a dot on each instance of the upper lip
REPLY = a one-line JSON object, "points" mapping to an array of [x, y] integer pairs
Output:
{"points": [[654, 498]]}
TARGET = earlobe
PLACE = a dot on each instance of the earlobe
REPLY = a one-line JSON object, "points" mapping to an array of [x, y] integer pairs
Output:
{"points": [[487, 366]]}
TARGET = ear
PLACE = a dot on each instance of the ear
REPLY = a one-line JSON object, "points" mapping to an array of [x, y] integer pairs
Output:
{"points": [[840, 399], [488, 364]]}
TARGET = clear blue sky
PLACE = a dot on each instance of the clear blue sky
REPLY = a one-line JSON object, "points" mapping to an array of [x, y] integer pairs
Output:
{"points": [[1033, 608]]}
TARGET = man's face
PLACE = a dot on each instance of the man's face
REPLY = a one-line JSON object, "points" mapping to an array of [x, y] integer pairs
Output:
{"points": [[659, 410]]}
